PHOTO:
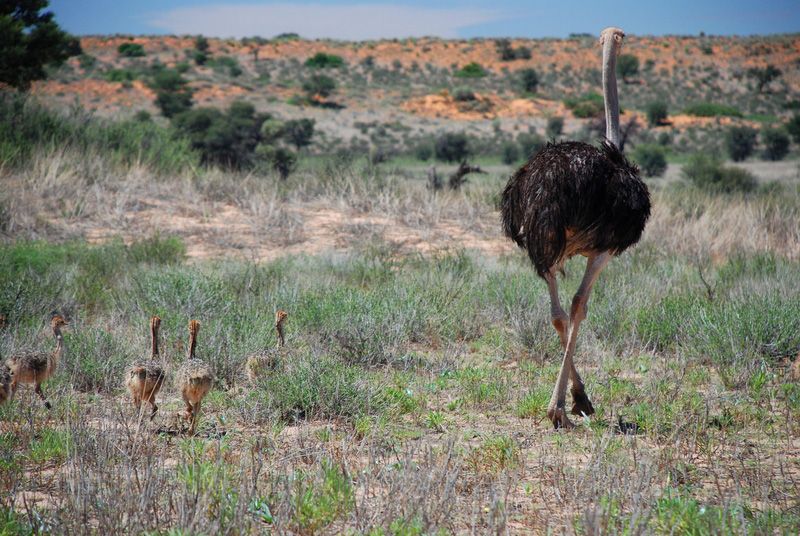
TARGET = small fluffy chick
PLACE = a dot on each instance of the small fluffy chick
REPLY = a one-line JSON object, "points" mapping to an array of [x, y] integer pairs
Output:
{"points": [[37, 366], [266, 359], [194, 378], [145, 377]]}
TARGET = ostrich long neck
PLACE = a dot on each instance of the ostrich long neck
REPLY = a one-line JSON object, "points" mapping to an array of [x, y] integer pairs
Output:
{"points": [[279, 327], [59, 343], [610, 96], [192, 344], [154, 329]]}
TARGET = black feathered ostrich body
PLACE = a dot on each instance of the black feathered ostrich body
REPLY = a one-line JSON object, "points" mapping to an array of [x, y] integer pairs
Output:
{"points": [[574, 198]]}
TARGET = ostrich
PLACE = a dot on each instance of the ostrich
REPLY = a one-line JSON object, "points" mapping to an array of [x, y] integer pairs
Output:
{"points": [[36, 366], [5, 374], [146, 376], [267, 358], [573, 198], [194, 378]]}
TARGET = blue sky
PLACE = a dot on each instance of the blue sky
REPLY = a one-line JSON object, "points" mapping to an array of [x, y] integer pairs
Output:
{"points": [[349, 20]]}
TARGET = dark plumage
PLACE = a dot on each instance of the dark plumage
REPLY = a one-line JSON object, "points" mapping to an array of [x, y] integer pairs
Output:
{"points": [[145, 377], [572, 197]]}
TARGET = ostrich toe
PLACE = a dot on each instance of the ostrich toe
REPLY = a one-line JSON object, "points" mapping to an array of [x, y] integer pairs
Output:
{"points": [[558, 416], [581, 403]]}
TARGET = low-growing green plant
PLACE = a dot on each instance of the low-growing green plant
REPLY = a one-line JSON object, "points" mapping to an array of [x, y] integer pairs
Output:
{"points": [[471, 70], [589, 105], [657, 112], [708, 172], [131, 50], [709, 109], [322, 60], [651, 159]]}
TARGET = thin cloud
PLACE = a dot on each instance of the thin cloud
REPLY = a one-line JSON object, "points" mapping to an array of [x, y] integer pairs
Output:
{"points": [[314, 21]]}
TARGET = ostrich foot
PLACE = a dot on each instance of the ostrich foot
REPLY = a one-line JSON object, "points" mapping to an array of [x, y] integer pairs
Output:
{"points": [[558, 416], [581, 405]]}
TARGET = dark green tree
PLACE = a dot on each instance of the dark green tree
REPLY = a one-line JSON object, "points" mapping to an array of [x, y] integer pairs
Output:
{"points": [[452, 147], [509, 152], [173, 94], [299, 132], [131, 50], [322, 60], [793, 128], [776, 143], [30, 40], [740, 142], [201, 44], [764, 76], [503, 47], [529, 80], [657, 113], [652, 159], [319, 85], [627, 66]]}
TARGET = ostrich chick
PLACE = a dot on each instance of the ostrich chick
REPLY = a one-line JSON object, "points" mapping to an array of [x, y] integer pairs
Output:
{"points": [[194, 378], [145, 377], [267, 359], [36, 367]]}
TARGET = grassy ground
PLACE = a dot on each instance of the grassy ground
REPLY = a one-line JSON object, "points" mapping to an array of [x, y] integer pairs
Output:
{"points": [[411, 395]]}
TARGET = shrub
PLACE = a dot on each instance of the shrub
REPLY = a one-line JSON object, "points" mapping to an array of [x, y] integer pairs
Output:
{"points": [[793, 128], [708, 172], [657, 112], [319, 85], [131, 50], [121, 75], [529, 80], [509, 152], [530, 143], [299, 132], [321, 60], [652, 159], [200, 57], [740, 142], [86, 61], [708, 109], [764, 76], [471, 70], [423, 151], [555, 125], [589, 105], [503, 47], [776, 144], [201, 43], [627, 66], [173, 94], [463, 94], [452, 147]]}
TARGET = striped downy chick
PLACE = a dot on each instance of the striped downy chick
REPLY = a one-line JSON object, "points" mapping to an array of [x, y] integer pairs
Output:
{"points": [[5, 374], [267, 359], [194, 378], [145, 377], [36, 366]]}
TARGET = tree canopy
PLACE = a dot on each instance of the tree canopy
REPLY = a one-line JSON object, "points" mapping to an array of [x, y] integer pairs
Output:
{"points": [[30, 40]]}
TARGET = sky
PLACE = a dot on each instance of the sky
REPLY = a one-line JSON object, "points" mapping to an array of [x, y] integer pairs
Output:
{"points": [[360, 21]]}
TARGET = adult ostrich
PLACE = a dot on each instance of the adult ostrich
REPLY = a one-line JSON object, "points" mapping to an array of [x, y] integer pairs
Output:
{"points": [[573, 198]]}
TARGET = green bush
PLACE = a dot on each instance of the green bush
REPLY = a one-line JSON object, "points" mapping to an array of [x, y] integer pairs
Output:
{"points": [[652, 159], [708, 109], [509, 153], [471, 70], [529, 80], [657, 112], [452, 147], [463, 94], [793, 128], [131, 50], [740, 142], [776, 144], [555, 125], [319, 85], [627, 66], [590, 105], [530, 143], [321, 60], [708, 172], [173, 94], [121, 75], [199, 57]]}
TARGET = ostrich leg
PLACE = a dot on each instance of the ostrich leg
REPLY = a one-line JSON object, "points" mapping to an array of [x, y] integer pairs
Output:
{"points": [[560, 320], [556, 411]]}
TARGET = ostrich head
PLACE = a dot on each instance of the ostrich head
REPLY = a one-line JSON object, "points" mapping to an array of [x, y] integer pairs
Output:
{"points": [[194, 328], [613, 36], [57, 324], [155, 322], [611, 40]]}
